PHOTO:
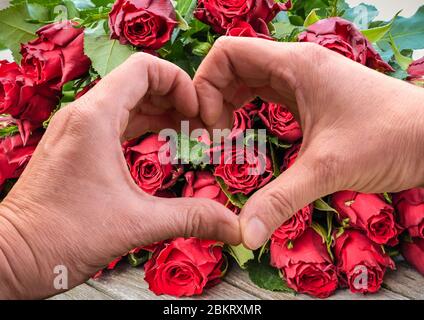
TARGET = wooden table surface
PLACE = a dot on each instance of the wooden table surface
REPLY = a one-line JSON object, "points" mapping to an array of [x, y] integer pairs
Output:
{"points": [[126, 282]]}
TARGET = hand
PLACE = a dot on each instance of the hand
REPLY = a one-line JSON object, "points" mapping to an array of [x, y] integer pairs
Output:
{"points": [[76, 204], [362, 130]]}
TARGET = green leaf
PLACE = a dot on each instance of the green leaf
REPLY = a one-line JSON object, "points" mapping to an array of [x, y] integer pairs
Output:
{"points": [[105, 54], [201, 49], [184, 9], [277, 143], [388, 197], [407, 33], [378, 33], [402, 60], [296, 21], [241, 254], [191, 151], [275, 165], [362, 15], [14, 29], [311, 18], [8, 131], [182, 23], [264, 249], [321, 205], [266, 277], [238, 199], [136, 259]]}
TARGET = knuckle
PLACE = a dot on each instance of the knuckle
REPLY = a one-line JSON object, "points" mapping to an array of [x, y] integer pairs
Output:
{"points": [[195, 221], [222, 43], [139, 57], [81, 115], [279, 205]]}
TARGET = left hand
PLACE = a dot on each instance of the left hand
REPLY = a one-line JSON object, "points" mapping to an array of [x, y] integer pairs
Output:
{"points": [[76, 204]]}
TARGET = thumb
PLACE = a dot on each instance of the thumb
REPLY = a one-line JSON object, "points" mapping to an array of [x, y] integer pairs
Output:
{"points": [[278, 201], [187, 217]]}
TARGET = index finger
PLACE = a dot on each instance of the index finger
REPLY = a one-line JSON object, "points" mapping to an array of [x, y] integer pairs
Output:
{"points": [[238, 69], [143, 75]]}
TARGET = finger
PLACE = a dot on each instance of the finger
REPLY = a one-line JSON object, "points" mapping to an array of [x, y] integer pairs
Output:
{"points": [[234, 73], [277, 202], [142, 76], [185, 217]]}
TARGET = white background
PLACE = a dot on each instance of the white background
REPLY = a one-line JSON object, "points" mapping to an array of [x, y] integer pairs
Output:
{"points": [[387, 8]]}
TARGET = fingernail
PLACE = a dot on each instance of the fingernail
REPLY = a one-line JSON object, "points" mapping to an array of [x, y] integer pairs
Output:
{"points": [[255, 234]]}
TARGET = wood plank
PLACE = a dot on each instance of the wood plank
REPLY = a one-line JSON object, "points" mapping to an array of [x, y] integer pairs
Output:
{"points": [[82, 292], [240, 279], [126, 282], [405, 281]]}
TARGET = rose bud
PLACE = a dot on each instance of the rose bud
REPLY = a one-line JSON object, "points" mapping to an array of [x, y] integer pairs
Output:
{"points": [[413, 252], [367, 212], [294, 227], [57, 55], [242, 120], [361, 263], [244, 170], [110, 266], [342, 36], [244, 29], [416, 72], [15, 154], [22, 97], [307, 267], [184, 267], [147, 24], [244, 116], [221, 15], [147, 159], [202, 184], [409, 205], [280, 122]]}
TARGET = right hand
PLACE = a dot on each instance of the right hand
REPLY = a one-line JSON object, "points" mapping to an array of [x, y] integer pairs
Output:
{"points": [[362, 130]]}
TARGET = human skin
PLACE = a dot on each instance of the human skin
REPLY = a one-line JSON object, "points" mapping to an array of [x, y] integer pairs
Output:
{"points": [[76, 204], [362, 130]]}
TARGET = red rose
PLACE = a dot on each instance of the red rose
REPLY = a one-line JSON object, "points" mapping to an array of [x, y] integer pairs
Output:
{"points": [[22, 97], [294, 227], [57, 55], [307, 267], [361, 264], [244, 29], [342, 36], [15, 154], [245, 170], [410, 208], [414, 254], [184, 267], [87, 88], [147, 24], [221, 14], [290, 156], [146, 159], [416, 72], [367, 212], [202, 184], [110, 266], [280, 122], [243, 118]]}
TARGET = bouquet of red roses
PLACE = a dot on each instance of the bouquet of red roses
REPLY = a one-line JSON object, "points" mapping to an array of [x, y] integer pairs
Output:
{"points": [[62, 49]]}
